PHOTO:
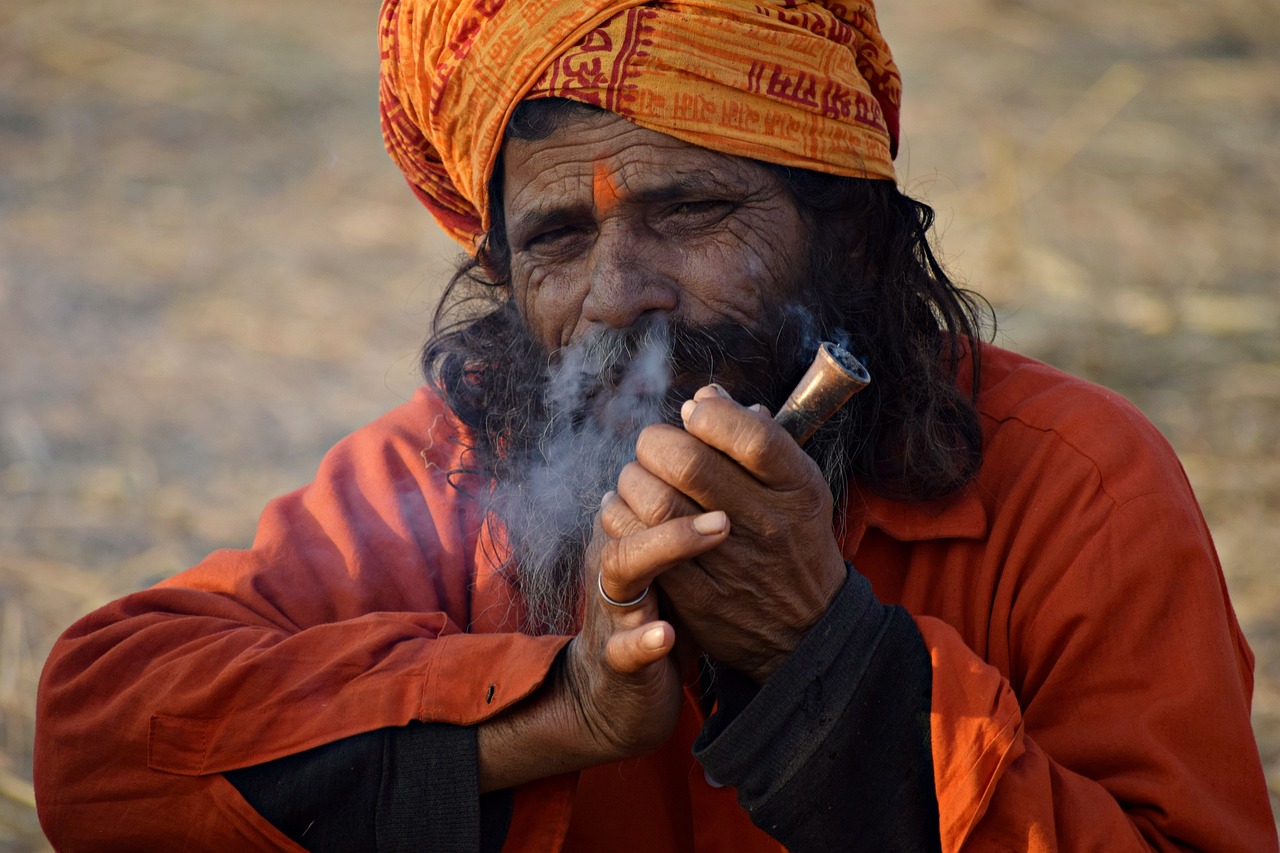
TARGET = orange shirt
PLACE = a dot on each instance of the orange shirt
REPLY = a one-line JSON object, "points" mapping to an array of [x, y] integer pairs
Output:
{"points": [[1091, 686]]}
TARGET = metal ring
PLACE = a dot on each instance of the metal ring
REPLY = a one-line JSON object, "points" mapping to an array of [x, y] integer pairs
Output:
{"points": [[632, 603]]}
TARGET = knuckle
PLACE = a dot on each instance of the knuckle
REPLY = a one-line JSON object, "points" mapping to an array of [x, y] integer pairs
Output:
{"points": [[651, 500], [631, 560], [690, 469], [617, 520], [630, 478], [752, 444], [627, 549], [671, 506], [651, 440], [609, 558]]}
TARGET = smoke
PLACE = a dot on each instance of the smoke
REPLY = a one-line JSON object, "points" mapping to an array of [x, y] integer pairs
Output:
{"points": [[600, 392], [581, 409]]}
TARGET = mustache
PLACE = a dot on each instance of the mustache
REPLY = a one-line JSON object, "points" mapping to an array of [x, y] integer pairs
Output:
{"points": [[662, 362]]}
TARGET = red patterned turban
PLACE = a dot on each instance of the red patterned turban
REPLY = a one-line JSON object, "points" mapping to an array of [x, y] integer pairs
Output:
{"points": [[800, 84]]}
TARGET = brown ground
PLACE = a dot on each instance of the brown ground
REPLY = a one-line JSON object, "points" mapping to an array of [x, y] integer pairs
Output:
{"points": [[209, 271]]}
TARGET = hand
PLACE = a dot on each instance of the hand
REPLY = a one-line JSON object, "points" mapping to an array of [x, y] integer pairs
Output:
{"points": [[750, 600], [624, 685], [616, 691]]}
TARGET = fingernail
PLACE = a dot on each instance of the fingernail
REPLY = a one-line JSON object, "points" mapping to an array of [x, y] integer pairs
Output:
{"points": [[710, 523], [711, 390], [686, 410], [654, 638], [757, 407], [606, 497]]}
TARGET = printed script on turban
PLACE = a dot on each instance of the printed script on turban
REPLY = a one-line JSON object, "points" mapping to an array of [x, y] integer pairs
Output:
{"points": [[809, 85]]}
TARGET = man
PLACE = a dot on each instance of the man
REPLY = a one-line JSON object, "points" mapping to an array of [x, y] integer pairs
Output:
{"points": [[584, 593]]}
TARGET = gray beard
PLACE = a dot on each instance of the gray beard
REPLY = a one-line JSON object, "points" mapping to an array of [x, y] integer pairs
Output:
{"points": [[599, 394]]}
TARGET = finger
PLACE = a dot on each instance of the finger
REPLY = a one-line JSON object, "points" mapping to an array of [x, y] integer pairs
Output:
{"points": [[631, 650], [652, 500], [617, 519], [749, 437], [705, 476], [630, 563]]}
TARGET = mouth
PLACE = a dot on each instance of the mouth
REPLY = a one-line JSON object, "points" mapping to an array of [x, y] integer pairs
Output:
{"points": [[627, 404]]}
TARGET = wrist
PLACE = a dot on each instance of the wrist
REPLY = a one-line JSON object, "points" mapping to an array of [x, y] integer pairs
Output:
{"points": [[766, 664], [543, 735]]}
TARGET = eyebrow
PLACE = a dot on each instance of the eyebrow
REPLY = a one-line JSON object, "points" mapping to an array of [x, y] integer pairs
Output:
{"points": [[542, 219], [673, 188], [684, 185]]}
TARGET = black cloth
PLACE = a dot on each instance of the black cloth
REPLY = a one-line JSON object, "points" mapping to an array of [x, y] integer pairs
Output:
{"points": [[400, 789], [833, 752]]}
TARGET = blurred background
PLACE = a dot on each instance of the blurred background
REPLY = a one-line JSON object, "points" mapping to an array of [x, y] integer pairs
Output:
{"points": [[210, 270]]}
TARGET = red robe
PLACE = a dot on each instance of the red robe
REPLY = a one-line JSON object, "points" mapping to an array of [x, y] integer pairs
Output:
{"points": [[1091, 685]]}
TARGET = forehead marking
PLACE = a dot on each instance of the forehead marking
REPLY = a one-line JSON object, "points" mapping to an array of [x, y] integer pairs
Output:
{"points": [[604, 189]]}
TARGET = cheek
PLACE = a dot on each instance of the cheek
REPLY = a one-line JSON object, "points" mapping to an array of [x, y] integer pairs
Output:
{"points": [[743, 275], [779, 261], [549, 304]]}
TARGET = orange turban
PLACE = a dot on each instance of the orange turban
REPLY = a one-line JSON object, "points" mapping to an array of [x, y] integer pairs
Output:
{"points": [[802, 84]]}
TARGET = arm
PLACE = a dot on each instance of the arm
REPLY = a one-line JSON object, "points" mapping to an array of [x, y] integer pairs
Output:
{"points": [[1064, 743], [358, 608], [814, 678], [1117, 714], [854, 693], [322, 645]]}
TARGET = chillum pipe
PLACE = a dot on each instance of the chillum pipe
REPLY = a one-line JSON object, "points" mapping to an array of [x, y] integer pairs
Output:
{"points": [[834, 377]]}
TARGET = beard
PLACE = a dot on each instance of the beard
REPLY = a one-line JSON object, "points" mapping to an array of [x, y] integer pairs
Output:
{"points": [[571, 419]]}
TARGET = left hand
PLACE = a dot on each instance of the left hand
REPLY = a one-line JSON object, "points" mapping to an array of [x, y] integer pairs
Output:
{"points": [[748, 601]]}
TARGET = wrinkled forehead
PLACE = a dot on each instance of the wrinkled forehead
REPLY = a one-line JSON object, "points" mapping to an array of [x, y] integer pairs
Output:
{"points": [[554, 147]]}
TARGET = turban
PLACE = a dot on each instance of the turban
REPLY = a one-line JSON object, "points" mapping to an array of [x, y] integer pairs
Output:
{"points": [[804, 84]]}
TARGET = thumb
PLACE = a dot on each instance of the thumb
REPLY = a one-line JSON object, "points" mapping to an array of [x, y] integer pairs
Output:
{"points": [[631, 650]]}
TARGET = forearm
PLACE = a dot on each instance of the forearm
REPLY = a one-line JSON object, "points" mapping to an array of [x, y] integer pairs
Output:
{"points": [[538, 737], [141, 702], [833, 750], [405, 788]]}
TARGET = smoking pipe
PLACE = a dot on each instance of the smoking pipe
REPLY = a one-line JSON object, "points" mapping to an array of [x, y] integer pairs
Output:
{"points": [[834, 376]]}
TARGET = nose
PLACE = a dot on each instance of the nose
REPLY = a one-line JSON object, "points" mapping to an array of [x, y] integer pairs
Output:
{"points": [[626, 280]]}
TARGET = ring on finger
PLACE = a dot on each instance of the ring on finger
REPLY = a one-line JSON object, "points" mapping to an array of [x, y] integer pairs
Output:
{"points": [[632, 603]]}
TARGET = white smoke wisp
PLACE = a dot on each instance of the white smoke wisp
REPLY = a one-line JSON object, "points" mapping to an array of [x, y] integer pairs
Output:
{"points": [[601, 391]]}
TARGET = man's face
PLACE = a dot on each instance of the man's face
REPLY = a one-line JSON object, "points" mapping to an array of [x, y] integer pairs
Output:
{"points": [[642, 268], [612, 226]]}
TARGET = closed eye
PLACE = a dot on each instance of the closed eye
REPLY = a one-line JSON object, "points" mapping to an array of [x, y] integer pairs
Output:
{"points": [[551, 236], [555, 240], [699, 213]]}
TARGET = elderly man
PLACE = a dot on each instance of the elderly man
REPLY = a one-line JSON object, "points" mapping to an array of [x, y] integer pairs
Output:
{"points": [[584, 593]]}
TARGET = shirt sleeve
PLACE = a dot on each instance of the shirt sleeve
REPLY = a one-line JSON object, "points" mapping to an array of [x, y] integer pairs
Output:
{"points": [[401, 789], [832, 752], [1090, 684], [358, 608], [1116, 718]]}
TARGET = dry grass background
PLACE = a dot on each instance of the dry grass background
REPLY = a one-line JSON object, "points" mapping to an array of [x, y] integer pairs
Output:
{"points": [[209, 271]]}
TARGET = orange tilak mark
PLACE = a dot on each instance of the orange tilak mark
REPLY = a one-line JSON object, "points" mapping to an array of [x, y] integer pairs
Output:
{"points": [[604, 190]]}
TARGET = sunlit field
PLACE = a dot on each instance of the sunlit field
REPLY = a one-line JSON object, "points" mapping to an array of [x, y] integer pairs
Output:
{"points": [[210, 271]]}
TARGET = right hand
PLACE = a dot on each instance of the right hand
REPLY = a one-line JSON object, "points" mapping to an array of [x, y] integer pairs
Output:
{"points": [[619, 676]]}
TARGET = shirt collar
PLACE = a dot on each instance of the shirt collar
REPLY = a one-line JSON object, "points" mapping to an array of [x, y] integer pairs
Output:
{"points": [[961, 515]]}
